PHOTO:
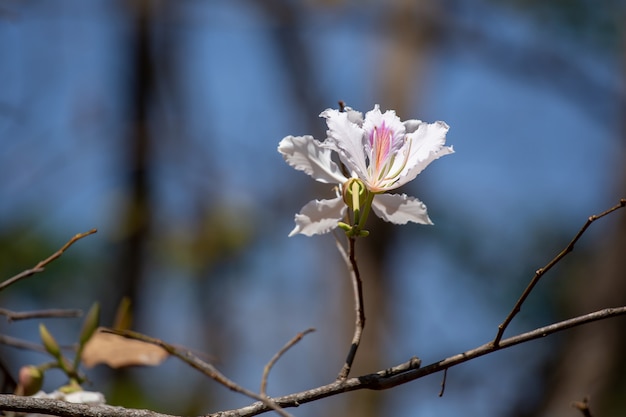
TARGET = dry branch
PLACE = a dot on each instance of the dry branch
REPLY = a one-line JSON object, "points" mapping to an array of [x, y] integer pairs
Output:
{"points": [[277, 356], [542, 271], [384, 379], [39, 314], [206, 368], [41, 265]]}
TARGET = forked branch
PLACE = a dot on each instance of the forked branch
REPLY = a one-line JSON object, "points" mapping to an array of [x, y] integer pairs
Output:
{"points": [[542, 271]]}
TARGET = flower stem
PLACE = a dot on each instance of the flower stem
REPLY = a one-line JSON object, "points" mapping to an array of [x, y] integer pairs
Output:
{"points": [[357, 285]]}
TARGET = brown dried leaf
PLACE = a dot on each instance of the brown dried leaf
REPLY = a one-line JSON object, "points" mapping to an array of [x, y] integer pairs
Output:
{"points": [[117, 351]]}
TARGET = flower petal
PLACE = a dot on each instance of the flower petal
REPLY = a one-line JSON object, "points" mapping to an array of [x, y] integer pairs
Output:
{"points": [[346, 138], [354, 116], [400, 209], [427, 144], [411, 125], [319, 216], [307, 154], [385, 136]]}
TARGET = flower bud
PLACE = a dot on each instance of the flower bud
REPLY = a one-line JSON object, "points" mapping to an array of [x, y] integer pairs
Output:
{"points": [[49, 343], [349, 188], [30, 380], [90, 324]]}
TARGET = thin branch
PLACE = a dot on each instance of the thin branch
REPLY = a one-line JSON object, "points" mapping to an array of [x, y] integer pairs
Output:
{"points": [[206, 368], [443, 382], [357, 286], [14, 342], [410, 370], [20, 344], [385, 379], [542, 271], [40, 266], [38, 314], [277, 356]]}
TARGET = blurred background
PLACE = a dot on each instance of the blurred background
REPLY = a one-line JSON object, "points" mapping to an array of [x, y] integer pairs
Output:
{"points": [[157, 122]]}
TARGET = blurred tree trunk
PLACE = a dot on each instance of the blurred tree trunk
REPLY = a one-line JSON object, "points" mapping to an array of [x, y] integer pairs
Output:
{"points": [[135, 219]]}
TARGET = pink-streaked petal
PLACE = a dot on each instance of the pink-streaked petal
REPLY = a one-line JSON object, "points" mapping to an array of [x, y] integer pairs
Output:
{"points": [[319, 216], [374, 118], [346, 138], [384, 134], [400, 209], [306, 154], [426, 145]]}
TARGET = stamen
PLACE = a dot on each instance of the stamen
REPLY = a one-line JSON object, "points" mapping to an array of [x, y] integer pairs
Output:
{"points": [[394, 176]]}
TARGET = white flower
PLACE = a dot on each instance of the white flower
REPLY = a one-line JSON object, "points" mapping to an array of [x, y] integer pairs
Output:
{"points": [[79, 397], [380, 150]]}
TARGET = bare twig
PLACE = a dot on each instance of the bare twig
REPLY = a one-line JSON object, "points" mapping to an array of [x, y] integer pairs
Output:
{"points": [[277, 356], [40, 266], [541, 271], [385, 379], [20, 344], [206, 368], [357, 286], [38, 314]]}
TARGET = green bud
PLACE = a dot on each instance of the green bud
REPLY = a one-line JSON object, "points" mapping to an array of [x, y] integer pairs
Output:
{"points": [[49, 343], [123, 315], [90, 324], [344, 226], [349, 188], [30, 380]]}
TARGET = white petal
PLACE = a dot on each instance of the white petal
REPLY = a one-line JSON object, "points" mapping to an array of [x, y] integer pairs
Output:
{"points": [[85, 397], [400, 209], [306, 154], [411, 125], [427, 144], [319, 216], [346, 138], [354, 116], [374, 118]]}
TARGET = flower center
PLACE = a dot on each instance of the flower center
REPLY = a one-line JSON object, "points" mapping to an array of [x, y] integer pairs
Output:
{"points": [[381, 139], [384, 145]]}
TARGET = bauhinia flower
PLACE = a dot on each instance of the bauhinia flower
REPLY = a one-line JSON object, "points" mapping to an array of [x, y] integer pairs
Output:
{"points": [[380, 153]]}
